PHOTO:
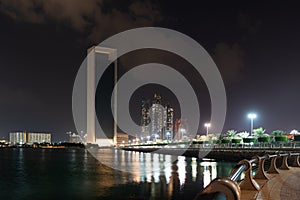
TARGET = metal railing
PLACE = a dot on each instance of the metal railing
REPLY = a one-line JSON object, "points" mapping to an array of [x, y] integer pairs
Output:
{"points": [[230, 187]]}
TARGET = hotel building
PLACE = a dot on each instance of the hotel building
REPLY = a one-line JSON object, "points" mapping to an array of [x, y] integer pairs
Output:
{"points": [[38, 138], [17, 138], [20, 138]]}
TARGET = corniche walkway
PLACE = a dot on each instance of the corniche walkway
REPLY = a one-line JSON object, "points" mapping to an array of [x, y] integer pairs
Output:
{"points": [[285, 186], [283, 183]]}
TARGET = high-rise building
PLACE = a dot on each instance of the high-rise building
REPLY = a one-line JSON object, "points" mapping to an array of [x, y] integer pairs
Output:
{"points": [[17, 138], [181, 129], [145, 132], [168, 122], [161, 118], [156, 115], [176, 129]]}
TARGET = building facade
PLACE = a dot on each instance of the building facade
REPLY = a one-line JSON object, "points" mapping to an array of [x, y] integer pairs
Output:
{"points": [[168, 122], [122, 139], [145, 121], [157, 120], [181, 131], [74, 138], [38, 138], [156, 116], [20, 138], [17, 138]]}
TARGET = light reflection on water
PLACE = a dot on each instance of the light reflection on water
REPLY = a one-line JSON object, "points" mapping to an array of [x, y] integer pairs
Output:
{"points": [[75, 174]]}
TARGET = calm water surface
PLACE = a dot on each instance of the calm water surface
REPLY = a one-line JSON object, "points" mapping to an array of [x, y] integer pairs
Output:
{"points": [[76, 174]]}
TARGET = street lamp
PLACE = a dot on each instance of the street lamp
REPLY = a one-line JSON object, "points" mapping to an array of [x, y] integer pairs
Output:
{"points": [[182, 130], [207, 125], [251, 116]]}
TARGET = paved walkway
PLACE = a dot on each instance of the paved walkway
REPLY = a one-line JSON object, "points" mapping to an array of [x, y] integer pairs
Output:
{"points": [[285, 186]]}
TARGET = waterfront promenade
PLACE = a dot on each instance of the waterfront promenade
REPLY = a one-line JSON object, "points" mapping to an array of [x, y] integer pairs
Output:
{"points": [[267, 183], [232, 154], [261, 173], [284, 185]]}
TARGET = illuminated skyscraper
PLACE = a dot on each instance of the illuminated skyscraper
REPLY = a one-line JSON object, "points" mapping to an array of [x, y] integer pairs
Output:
{"points": [[181, 129], [156, 115], [168, 122], [161, 118], [145, 133]]}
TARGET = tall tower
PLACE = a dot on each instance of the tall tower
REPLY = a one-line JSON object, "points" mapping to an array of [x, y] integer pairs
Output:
{"points": [[156, 114], [145, 120], [91, 90], [181, 129], [177, 135], [168, 122]]}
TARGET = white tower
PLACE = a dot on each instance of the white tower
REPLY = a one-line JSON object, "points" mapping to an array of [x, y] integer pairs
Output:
{"points": [[91, 90]]}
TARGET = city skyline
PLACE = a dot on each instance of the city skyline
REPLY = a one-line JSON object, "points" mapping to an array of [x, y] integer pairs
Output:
{"points": [[149, 99], [255, 49]]}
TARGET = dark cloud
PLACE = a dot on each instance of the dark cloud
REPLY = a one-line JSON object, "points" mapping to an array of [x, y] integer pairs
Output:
{"points": [[93, 17], [230, 61], [249, 23]]}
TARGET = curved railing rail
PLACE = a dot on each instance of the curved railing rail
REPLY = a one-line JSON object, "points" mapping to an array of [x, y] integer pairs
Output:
{"points": [[230, 187]]}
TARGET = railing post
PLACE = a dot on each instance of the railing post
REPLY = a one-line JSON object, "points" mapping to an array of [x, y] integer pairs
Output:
{"points": [[225, 186], [284, 164], [296, 161], [273, 169], [248, 183], [261, 174]]}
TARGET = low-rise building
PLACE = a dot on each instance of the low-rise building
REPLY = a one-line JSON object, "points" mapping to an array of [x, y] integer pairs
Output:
{"points": [[122, 139], [17, 138], [21, 137], [38, 138], [74, 138]]}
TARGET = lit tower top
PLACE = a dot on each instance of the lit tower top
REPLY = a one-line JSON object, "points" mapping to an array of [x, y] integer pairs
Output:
{"points": [[157, 99]]}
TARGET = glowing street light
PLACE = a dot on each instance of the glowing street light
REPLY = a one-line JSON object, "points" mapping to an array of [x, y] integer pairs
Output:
{"points": [[182, 130], [207, 125], [251, 116]]}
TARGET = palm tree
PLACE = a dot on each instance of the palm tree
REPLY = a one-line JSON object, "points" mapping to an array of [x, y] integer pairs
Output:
{"points": [[230, 133], [259, 132]]}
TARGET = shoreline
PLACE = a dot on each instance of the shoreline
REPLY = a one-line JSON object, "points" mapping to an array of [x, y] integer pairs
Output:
{"points": [[230, 154], [220, 154]]}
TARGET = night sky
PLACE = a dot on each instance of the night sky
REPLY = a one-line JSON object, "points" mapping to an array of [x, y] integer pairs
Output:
{"points": [[43, 43]]}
